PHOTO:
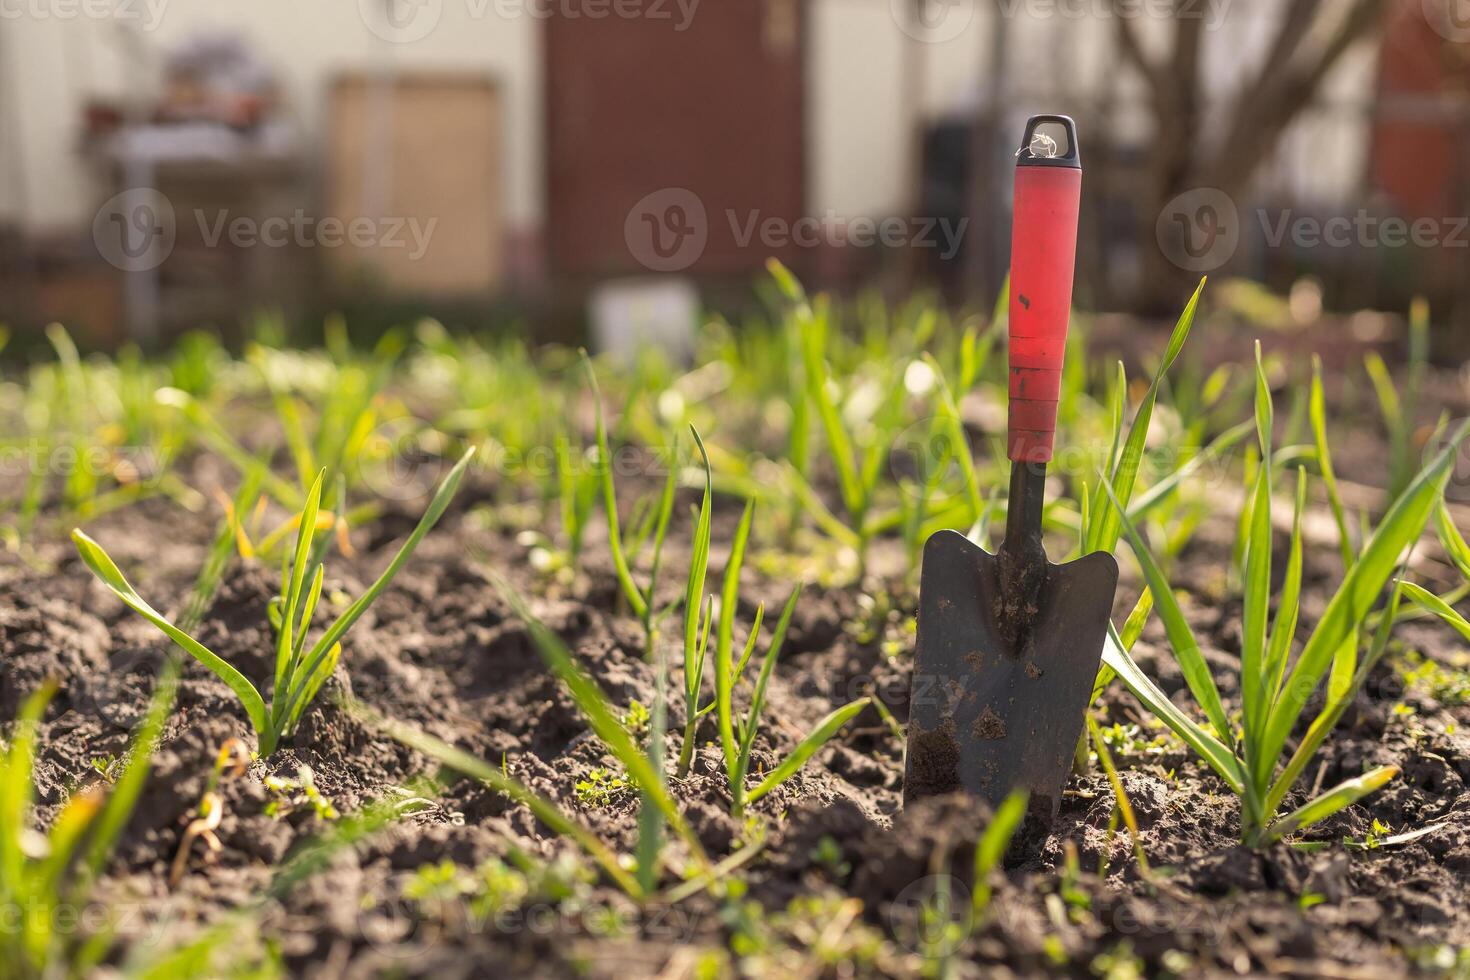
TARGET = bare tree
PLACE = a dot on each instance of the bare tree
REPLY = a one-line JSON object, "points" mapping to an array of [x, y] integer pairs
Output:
{"points": [[1309, 39]]}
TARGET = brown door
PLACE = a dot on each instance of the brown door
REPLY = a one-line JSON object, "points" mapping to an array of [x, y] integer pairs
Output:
{"points": [[673, 136]]}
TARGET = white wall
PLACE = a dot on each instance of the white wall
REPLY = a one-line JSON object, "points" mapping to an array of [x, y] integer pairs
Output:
{"points": [[860, 111], [51, 65]]}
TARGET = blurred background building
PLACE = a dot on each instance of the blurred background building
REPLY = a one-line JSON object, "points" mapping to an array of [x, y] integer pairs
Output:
{"points": [[167, 164]]}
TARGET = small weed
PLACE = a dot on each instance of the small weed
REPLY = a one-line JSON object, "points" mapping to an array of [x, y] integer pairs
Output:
{"points": [[300, 671], [291, 794], [601, 788], [106, 766], [828, 853], [47, 874], [636, 719], [1449, 686], [1118, 962], [1274, 697]]}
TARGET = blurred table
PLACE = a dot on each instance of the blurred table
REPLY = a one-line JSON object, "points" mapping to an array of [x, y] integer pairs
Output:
{"points": [[197, 181]]}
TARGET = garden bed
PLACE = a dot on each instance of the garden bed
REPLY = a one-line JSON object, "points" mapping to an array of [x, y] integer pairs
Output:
{"points": [[834, 876]]}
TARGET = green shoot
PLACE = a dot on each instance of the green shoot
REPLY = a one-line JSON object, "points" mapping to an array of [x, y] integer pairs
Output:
{"points": [[738, 733], [1106, 525], [300, 671], [1439, 607], [639, 599], [1123, 805], [1399, 413], [577, 486], [858, 451], [1274, 697], [992, 846], [1317, 413], [696, 640], [644, 771], [545, 810], [44, 876]]}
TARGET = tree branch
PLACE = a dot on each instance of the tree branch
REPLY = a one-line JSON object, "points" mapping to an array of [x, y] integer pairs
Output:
{"points": [[1281, 95]]}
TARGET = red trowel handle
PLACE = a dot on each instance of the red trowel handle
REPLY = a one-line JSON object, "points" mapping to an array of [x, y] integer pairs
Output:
{"points": [[1043, 254]]}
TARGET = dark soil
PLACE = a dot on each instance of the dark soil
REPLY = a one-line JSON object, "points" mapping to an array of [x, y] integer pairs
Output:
{"points": [[442, 651]]}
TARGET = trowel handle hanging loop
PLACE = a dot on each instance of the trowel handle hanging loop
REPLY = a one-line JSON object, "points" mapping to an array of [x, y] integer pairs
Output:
{"points": [[1043, 257]]}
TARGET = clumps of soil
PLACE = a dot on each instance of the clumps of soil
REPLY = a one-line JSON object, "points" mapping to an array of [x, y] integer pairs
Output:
{"points": [[442, 651], [989, 725], [934, 756]]}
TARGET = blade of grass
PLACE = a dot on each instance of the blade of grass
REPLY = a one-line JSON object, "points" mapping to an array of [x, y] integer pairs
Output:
{"points": [[291, 593], [820, 736], [751, 725], [1141, 506], [992, 846], [1353, 601], [724, 641], [1318, 414], [323, 647], [693, 593], [544, 809], [636, 600], [1452, 540], [1125, 805], [1214, 752], [1124, 470], [1343, 795], [105, 569], [16, 788], [601, 717], [1438, 607], [1288, 609], [1255, 683], [1181, 637]]}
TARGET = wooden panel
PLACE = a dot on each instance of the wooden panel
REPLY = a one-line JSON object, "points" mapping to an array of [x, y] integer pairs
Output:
{"points": [[421, 157], [640, 106]]}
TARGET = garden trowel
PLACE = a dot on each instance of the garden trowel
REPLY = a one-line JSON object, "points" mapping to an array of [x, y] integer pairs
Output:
{"points": [[1009, 644]]}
